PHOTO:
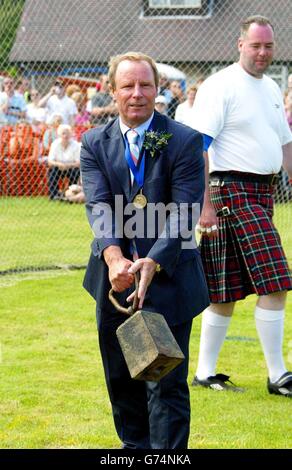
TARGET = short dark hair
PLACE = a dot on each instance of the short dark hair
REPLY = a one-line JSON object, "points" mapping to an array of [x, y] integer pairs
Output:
{"points": [[257, 19]]}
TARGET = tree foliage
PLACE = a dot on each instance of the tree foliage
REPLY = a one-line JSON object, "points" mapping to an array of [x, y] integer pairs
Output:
{"points": [[10, 14]]}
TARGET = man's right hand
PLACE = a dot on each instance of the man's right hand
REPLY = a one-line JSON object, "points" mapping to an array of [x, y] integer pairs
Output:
{"points": [[208, 222], [118, 266]]}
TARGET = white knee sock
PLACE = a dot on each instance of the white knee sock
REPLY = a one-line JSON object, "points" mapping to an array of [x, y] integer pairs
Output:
{"points": [[270, 328], [213, 332]]}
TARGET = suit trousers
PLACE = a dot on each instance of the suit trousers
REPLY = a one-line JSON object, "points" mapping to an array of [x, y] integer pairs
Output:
{"points": [[147, 415]]}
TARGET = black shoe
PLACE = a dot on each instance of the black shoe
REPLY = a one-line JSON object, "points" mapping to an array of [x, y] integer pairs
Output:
{"points": [[217, 382], [283, 386]]}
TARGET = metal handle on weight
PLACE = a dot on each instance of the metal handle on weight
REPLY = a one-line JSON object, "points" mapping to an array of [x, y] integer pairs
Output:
{"points": [[132, 308]]}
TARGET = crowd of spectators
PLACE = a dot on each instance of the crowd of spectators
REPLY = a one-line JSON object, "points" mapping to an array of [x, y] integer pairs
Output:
{"points": [[172, 100], [40, 135]]}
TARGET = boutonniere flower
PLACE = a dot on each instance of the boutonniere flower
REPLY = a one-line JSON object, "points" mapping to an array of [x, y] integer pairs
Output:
{"points": [[155, 141]]}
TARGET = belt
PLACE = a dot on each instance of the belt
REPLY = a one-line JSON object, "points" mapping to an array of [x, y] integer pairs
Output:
{"points": [[218, 178]]}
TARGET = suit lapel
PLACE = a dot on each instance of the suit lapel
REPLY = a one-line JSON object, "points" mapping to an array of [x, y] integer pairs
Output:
{"points": [[115, 152], [158, 124]]}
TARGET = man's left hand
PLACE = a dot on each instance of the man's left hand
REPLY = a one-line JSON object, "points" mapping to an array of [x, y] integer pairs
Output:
{"points": [[147, 268]]}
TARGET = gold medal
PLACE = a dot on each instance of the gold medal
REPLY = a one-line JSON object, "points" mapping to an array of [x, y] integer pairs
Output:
{"points": [[140, 201]]}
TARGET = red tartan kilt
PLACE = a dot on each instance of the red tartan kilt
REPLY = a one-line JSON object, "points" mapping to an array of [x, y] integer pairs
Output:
{"points": [[248, 256]]}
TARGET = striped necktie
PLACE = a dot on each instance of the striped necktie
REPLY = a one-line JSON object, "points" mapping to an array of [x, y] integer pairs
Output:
{"points": [[132, 137]]}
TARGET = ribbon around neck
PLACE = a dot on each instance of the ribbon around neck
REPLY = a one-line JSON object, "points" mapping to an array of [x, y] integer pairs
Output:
{"points": [[139, 169]]}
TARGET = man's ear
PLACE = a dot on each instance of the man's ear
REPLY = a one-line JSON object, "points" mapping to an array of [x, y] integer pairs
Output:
{"points": [[112, 92], [239, 44]]}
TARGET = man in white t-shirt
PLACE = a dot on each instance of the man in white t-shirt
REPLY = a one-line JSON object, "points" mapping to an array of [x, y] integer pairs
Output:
{"points": [[57, 102], [247, 139]]}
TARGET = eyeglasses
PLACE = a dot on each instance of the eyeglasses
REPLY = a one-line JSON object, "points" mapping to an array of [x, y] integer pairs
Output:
{"points": [[8, 83]]}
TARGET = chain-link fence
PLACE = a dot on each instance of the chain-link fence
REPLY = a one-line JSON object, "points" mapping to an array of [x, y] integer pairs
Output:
{"points": [[50, 47]]}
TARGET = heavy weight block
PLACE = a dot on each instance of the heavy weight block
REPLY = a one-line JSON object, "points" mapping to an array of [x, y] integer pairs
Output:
{"points": [[148, 345]]}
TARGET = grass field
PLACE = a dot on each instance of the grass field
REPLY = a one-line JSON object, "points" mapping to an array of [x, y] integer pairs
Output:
{"points": [[53, 395], [37, 232], [52, 392]]}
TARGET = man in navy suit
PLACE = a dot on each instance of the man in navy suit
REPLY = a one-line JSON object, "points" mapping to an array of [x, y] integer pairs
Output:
{"points": [[146, 414]]}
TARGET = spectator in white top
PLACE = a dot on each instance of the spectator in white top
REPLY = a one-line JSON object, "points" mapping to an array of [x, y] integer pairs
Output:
{"points": [[57, 102], [183, 110], [36, 115], [63, 160], [12, 104]]}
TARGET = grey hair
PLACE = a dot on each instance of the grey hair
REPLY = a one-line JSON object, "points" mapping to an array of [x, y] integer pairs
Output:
{"points": [[63, 127]]}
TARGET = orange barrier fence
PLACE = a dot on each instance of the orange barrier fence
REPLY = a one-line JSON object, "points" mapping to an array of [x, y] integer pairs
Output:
{"points": [[23, 160]]}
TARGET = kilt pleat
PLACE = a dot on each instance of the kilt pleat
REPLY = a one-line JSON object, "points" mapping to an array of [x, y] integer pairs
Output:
{"points": [[247, 257]]}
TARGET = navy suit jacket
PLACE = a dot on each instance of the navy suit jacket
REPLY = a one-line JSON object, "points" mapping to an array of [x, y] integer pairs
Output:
{"points": [[176, 174]]}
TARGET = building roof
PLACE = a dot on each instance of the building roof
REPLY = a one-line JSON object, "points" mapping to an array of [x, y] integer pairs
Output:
{"points": [[94, 30]]}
